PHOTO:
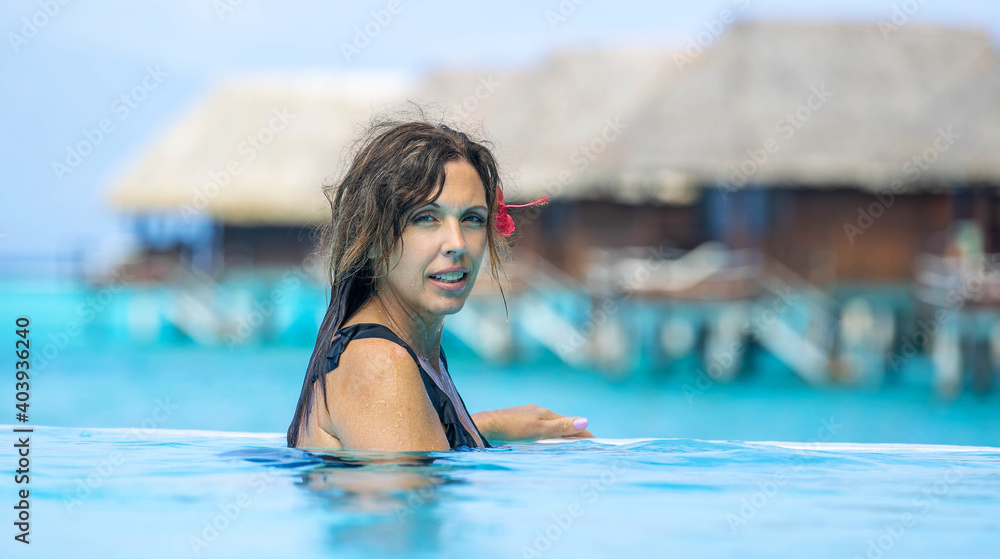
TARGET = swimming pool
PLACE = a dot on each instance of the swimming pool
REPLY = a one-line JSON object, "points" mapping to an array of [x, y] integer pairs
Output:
{"points": [[185, 493], [255, 389], [137, 448]]}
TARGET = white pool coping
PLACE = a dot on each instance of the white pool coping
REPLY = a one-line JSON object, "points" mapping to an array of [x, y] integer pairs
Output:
{"points": [[795, 445]]}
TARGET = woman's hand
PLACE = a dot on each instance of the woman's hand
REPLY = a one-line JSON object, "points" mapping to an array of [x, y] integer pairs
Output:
{"points": [[527, 423]]}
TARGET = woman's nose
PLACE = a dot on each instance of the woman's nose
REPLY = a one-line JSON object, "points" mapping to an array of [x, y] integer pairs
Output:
{"points": [[455, 241]]}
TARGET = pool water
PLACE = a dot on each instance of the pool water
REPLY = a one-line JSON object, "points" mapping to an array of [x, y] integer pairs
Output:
{"points": [[110, 492], [179, 452], [255, 389]]}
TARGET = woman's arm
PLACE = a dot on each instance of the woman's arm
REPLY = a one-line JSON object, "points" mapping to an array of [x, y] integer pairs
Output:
{"points": [[377, 400], [484, 422], [527, 423]]}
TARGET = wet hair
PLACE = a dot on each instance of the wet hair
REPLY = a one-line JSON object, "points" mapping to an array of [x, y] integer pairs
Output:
{"points": [[397, 167]]}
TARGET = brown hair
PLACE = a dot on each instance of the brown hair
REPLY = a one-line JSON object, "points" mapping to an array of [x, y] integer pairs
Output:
{"points": [[398, 168]]}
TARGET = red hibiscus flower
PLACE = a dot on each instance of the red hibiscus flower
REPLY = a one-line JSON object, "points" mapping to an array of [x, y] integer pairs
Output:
{"points": [[504, 222]]}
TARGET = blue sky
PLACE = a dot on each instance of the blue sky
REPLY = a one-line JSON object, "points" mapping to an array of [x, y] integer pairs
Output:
{"points": [[66, 76]]}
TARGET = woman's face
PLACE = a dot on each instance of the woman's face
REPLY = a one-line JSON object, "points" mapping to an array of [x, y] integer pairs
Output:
{"points": [[448, 233]]}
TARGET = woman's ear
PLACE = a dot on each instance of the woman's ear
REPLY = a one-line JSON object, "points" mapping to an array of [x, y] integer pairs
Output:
{"points": [[373, 255]]}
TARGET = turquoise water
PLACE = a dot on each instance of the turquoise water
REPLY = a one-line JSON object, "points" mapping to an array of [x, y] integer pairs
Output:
{"points": [[179, 452], [255, 389], [179, 493]]}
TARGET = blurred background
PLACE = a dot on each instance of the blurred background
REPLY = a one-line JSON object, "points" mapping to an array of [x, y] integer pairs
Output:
{"points": [[770, 220]]}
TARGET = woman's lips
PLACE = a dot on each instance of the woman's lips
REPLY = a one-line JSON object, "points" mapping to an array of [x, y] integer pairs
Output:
{"points": [[454, 286]]}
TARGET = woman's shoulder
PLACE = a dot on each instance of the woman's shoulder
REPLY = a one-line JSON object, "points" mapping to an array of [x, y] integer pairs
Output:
{"points": [[374, 354], [377, 391], [361, 355], [371, 335], [375, 370], [365, 331]]}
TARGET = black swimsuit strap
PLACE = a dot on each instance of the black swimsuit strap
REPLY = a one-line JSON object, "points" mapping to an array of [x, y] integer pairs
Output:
{"points": [[455, 430], [361, 331]]}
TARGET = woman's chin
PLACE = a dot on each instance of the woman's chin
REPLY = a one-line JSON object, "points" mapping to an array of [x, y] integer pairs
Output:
{"points": [[447, 305], [453, 307]]}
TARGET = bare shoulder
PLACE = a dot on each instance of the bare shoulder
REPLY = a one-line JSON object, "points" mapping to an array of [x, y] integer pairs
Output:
{"points": [[374, 365], [376, 399]]}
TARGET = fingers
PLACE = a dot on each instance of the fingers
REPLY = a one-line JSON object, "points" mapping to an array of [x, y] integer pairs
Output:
{"points": [[546, 413], [568, 426], [549, 414], [581, 435], [556, 425]]}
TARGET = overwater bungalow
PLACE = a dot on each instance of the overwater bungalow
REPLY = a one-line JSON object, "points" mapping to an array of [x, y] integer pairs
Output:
{"points": [[815, 158]]}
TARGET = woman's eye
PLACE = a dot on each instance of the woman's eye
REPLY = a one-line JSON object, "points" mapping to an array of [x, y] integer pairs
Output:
{"points": [[429, 218]]}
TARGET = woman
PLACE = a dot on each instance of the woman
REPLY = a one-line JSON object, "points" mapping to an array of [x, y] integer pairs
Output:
{"points": [[411, 220]]}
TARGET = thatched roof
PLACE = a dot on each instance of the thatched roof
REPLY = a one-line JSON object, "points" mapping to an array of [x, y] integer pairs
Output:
{"points": [[890, 97], [685, 125], [279, 183], [541, 117]]}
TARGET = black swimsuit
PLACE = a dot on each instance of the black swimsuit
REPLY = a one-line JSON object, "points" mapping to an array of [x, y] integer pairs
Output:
{"points": [[457, 434]]}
